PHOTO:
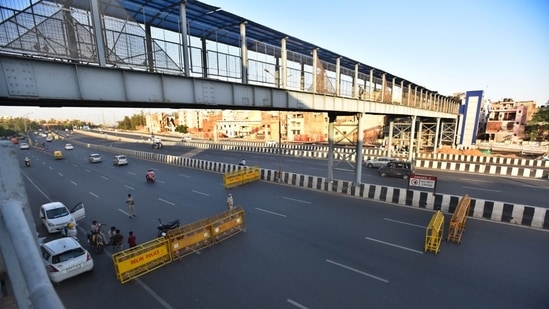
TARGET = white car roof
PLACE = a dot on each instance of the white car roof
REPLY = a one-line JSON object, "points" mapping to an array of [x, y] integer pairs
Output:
{"points": [[61, 244], [52, 205]]}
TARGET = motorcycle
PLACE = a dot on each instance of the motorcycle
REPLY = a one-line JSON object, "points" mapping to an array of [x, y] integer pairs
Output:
{"points": [[163, 228], [150, 177], [96, 239], [27, 163]]}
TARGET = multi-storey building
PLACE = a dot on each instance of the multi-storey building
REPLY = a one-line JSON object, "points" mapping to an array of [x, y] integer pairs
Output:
{"points": [[507, 119]]}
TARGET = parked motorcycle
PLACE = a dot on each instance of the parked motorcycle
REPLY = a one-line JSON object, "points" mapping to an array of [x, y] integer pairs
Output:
{"points": [[163, 228], [150, 176], [96, 239]]}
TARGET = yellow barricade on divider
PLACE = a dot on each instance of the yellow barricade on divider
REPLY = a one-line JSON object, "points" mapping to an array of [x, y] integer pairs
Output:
{"points": [[241, 176], [433, 233], [457, 223], [139, 260]]}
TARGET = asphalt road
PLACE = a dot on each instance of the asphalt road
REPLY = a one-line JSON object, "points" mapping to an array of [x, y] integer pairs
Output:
{"points": [[302, 248], [516, 190]]}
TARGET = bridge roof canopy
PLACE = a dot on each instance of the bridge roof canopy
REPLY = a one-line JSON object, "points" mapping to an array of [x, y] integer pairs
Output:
{"points": [[213, 23]]}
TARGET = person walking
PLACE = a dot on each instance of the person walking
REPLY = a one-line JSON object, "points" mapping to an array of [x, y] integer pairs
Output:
{"points": [[132, 241], [131, 205], [117, 241], [230, 201]]}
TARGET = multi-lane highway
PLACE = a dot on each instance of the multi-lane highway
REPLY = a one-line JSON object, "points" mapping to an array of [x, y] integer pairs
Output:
{"points": [[302, 248], [509, 189]]}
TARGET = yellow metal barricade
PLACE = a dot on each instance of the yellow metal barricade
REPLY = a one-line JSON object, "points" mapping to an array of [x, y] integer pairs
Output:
{"points": [[457, 223], [190, 238], [139, 260], [241, 176], [433, 233]]}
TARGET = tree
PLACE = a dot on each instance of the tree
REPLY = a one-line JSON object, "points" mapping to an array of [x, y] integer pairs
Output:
{"points": [[538, 127], [181, 129]]}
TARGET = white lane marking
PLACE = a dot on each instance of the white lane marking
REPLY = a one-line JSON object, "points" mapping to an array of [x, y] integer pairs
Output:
{"points": [[198, 192], [94, 195], [475, 180], [74, 164], [106, 178], [124, 212], [159, 299], [405, 223], [393, 245], [474, 188], [296, 200], [74, 183], [87, 170], [358, 271], [298, 305], [128, 187], [51, 168], [271, 212], [160, 181], [131, 173], [167, 202], [59, 174], [183, 175]]}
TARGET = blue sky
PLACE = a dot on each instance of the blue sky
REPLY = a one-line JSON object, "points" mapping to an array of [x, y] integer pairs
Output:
{"points": [[501, 47]]}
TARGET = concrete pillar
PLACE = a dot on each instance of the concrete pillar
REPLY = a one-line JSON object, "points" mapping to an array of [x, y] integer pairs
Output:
{"points": [[244, 50], [359, 139], [184, 40], [331, 120]]}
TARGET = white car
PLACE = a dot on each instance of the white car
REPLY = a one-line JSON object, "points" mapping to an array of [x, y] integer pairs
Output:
{"points": [[544, 158], [120, 160], [65, 258], [69, 147], [378, 162], [49, 138], [94, 158], [24, 146], [55, 215]]}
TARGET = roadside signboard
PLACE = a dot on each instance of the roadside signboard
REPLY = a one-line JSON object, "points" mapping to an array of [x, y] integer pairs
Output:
{"points": [[423, 181]]}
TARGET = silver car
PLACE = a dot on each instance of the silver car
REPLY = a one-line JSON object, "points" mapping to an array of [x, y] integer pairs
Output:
{"points": [[378, 162], [94, 158], [120, 160]]}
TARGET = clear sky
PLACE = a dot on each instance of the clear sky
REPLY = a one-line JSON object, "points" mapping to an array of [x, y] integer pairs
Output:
{"points": [[499, 46]]}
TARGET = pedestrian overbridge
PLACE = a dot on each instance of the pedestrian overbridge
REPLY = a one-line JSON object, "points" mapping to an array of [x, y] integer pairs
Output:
{"points": [[188, 54]]}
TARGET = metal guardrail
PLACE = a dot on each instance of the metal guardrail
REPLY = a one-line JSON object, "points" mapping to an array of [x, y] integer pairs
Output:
{"points": [[18, 243]]}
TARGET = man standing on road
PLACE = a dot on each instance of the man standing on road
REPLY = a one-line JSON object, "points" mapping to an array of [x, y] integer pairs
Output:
{"points": [[230, 201], [132, 242], [131, 206], [117, 240]]}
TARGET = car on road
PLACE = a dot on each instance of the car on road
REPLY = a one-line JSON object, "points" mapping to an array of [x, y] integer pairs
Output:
{"points": [[49, 138], [69, 147], [65, 258], [378, 162], [58, 155], [401, 169], [120, 160], [94, 158], [544, 158], [55, 215], [24, 146]]}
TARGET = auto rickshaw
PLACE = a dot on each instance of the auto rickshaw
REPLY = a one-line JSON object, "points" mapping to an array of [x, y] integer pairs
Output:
{"points": [[58, 155]]}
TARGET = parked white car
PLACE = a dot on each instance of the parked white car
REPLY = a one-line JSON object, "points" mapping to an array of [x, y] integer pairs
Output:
{"points": [[65, 258], [55, 215]]}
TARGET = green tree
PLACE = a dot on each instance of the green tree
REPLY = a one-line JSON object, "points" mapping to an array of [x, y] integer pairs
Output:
{"points": [[538, 128], [181, 129]]}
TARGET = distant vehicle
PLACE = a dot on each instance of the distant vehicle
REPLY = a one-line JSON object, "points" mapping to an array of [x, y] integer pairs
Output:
{"points": [[378, 162], [544, 158], [24, 146], [55, 215], [15, 140], [69, 147], [58, 155], [49, 138], [270, 143], [94, 158], [120, 160], [65, 258], [401, 169]]}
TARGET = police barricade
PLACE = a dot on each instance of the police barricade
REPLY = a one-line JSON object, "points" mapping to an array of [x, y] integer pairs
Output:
{"points": [[192, 237], [241, 176], [139, 260], [457, 222], [433, 233]]}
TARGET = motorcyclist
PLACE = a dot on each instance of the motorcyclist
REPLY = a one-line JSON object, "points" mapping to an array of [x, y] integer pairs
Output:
{"points": [[70, 230], [95, 229], [242, 162], [150, 174], [27, 161]]}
